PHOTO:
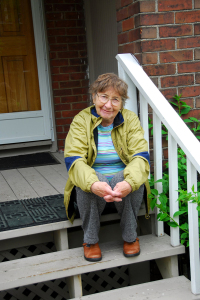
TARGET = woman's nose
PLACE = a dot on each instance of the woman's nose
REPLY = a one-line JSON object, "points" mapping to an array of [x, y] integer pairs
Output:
{"points": [[108, 104]]}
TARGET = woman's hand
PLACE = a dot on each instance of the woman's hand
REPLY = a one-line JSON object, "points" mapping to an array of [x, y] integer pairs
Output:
{"points": [[102, 189], [123, 187]]}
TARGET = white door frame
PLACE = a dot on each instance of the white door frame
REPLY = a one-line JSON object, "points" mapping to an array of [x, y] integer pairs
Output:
{"points": [[45, 85]]}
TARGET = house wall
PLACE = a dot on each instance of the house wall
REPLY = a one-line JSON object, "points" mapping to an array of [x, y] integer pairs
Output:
{"points": [[68, 59], [165, 37]]}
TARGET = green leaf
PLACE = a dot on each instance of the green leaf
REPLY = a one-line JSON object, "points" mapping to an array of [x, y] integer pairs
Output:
{"points": [[188, 121], [173, 103], [184, 226], [178, 213], [184, 235], [172, 224], [154, 192], [185, 110], [194, 119]]}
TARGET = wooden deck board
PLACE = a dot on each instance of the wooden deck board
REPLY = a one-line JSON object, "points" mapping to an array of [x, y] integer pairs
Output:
{"points": [[21, 188], [40, 185], [6, 193]]}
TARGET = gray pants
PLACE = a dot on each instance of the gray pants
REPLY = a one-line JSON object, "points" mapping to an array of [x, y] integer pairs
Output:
{"points": [[91, 207]]}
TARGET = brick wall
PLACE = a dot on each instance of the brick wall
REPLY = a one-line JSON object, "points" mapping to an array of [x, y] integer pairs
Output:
{"points": [[68, 59], [165, 37]]}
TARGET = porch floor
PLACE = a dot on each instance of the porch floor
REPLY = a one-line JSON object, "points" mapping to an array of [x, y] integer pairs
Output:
{"points": [[33, 182]]}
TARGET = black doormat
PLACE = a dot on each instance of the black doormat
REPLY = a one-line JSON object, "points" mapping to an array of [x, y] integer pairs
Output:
{"points": [[31, 212], [26, 161]]}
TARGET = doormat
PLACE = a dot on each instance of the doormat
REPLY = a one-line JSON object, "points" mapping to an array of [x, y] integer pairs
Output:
{"points": [[28, 160], [32, 212]]}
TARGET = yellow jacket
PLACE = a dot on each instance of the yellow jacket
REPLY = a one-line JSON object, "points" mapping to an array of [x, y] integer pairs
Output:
{"points": [[81, 151]]}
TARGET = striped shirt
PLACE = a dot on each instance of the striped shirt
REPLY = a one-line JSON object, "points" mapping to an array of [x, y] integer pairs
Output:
{"points": [[107, 161]]}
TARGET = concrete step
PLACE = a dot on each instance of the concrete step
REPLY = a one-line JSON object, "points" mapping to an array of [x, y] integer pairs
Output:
{"points": [[176, 288], [71, 262]]}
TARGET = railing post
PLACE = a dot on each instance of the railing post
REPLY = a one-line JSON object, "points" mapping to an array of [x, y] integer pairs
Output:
{"points": [[144, 117], [157, 150], [173, 188], [193, 231], [131, 103]]}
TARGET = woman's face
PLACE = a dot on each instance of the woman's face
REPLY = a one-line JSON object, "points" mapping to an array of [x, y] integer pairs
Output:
{"points": [[107, 111]]}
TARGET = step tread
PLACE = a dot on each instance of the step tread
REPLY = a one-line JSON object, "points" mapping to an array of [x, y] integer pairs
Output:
{"points": [[176, 288], [71, 262]]}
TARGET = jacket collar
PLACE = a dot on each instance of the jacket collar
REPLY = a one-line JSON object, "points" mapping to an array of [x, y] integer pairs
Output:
{"points": [[117, 121]]}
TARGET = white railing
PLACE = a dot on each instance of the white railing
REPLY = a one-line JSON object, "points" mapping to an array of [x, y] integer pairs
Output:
{"points": [[178, 134]]}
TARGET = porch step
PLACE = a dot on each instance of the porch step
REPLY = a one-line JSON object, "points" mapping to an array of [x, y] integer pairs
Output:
{"points": [[71, 262], [176, 288]]}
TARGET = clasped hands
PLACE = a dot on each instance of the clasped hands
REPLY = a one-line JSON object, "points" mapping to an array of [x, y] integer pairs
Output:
{"points": [[102, 189]]}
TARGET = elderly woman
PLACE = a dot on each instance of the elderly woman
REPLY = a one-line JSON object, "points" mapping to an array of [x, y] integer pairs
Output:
{"points": [[107, 161]]}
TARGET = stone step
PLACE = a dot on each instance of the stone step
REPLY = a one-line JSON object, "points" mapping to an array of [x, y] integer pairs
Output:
{"points": [[176, 288], [71, 262]]}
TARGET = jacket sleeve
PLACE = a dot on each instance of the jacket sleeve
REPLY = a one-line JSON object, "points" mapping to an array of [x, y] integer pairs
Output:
{"points": [[76, 152], [137, 170]]}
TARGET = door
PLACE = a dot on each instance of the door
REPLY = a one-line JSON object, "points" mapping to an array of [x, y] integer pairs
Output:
{"points": [[24, 114]]}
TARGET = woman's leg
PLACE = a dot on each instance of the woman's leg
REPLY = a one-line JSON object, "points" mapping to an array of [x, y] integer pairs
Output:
{"points": [[128, 209], [90, 208]]}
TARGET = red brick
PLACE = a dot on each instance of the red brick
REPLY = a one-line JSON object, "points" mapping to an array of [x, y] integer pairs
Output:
{"points": [[70, 99], [193, 113], [197, 78], [62, 107], [83, 54], [118, 4], [148, 33], [64, 7], [75, 31], [196, 3], [155, 19], [189, 42], [55, 70], [67, 114], [165, 153], [133, 9], [52, 55], [68, 54], [134, 35], [63, 92], [59, 62], [80, 91], [138, 48], [198, 102], [176, 30], [71, 15], [171, 81], [119, 27], [50, 24], [56, 100], [59, 128], [189, 102], [70, 69], [76, 76], [173, 56], [59, 47], [61, 136], [85, 83], [157, 70], [65, 23], [128, 24], [61, 77], [147, 6], [169, 93], [196, 53], [54, 16], [158, 45], [155, 80], [149, 58], [48, 7], [70, 84], [190, 91], [122, 14], [189, 67], [196, 29], [77, 61], [56, 32], [61, 145], [123, 38], [80, 105], [125, 2], [55, 85], [139, 57], [77, 46], [52, 39], [167, 5], [128, 48], [188, 17]]}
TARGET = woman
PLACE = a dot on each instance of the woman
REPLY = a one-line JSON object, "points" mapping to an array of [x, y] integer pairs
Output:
{"points": [[107, 161]]}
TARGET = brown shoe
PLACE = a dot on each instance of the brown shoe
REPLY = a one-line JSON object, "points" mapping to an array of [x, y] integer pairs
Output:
{"points": [[92, 252], [131, 249]]}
